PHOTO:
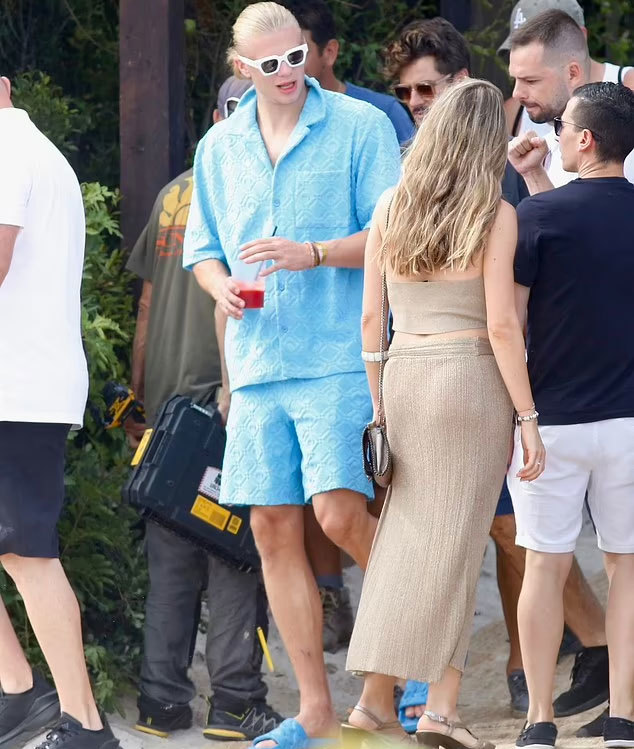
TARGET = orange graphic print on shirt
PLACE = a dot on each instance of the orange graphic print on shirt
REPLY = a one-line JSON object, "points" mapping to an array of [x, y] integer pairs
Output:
{"points": [[173, 218]]}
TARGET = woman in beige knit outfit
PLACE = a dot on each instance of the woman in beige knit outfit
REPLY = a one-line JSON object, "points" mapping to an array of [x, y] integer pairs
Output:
{"points": [[456, 369]]}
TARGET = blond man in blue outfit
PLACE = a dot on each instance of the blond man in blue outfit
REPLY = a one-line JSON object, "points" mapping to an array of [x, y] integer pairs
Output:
{"points": [[290, 181]]}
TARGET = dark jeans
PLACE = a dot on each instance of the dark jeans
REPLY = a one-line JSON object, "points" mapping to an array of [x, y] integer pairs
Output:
{"points": [[237, 604]]}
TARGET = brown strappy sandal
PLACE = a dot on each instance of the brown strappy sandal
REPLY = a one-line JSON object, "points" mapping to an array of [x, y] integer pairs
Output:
{"points": [[437, 739], [390, 733]]}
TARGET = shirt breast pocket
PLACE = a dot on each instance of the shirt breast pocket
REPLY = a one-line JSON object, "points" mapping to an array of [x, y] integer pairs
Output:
{"points": [[322, 199]]}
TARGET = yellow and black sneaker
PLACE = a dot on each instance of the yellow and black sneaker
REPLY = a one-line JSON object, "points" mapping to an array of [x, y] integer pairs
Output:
{"points": [[246, 724], [160, 719]]}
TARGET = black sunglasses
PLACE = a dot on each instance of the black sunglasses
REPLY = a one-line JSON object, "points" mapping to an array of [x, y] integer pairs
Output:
{"points": [[558, 125], [425, 90]]}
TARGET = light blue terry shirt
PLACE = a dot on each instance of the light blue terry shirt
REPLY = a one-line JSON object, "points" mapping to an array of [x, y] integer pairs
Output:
{"points": [[341, 156]]}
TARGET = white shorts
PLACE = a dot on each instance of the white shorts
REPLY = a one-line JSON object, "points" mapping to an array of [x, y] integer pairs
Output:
{"points": [[597, 458]]}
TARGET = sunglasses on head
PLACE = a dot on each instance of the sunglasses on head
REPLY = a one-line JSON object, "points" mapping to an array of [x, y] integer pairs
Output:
{"points": [[270, 65], [425, 90]]}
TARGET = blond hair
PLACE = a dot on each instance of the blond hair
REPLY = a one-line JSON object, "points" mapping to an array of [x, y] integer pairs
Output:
{"points": [[445, 203], [257, 19]]}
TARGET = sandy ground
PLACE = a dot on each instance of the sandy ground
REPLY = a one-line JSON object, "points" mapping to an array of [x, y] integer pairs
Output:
{"points": [[484, 700]]}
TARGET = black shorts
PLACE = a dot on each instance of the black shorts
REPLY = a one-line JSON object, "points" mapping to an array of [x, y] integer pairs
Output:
{"points": [[31, 487]]}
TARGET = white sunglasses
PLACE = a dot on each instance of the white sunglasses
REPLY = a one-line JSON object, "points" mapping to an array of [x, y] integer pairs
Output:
{"points": [[270, 65]]}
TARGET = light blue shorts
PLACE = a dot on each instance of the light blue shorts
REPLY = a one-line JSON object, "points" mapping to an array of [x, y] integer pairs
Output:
{"points": [[287, 441]]}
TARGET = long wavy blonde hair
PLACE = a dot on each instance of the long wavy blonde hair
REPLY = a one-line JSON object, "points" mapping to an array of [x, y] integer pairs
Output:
{"points": [[445, 203]]}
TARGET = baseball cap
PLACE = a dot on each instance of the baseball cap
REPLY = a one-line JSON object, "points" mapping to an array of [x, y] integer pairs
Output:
{"points": [[230, 93], [527, 9]]}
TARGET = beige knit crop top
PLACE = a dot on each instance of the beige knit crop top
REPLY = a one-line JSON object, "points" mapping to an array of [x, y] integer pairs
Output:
{"points": [[429, 307]]}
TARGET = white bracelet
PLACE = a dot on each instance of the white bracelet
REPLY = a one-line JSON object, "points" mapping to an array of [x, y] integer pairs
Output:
{"points": [[531, 417], [373, 356]]}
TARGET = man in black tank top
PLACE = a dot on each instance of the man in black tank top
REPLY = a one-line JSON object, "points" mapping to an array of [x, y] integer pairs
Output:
{"points": [[426, 58]]}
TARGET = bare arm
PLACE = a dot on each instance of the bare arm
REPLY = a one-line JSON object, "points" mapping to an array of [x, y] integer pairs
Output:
{"points": [[140, 341], [8, 235], [285, 254], [505, 332], [348, 252], [371, 315], [134, 430]]}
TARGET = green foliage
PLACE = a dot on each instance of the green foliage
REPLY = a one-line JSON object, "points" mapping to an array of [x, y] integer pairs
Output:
{"points": [[610, 26], [55, 114]]}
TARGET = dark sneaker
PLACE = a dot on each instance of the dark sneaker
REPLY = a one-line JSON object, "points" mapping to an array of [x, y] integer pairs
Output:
{"points": [[519, 693], [338, 618], [570, 644], [537, 736], [24, 716], [251, 722], [160, 718], [70, 734], [618, 732], [589, 683], [595, 727]]}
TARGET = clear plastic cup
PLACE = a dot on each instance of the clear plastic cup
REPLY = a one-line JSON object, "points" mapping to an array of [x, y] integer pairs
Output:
{"points": [[246, 276]]}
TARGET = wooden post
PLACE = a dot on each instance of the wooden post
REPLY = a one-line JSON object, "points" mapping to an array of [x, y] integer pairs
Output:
{"points": [[457, 12], [151, 105]]}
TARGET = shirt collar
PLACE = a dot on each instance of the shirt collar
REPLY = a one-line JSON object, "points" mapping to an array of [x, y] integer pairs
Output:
{"points": [[244, 120]]}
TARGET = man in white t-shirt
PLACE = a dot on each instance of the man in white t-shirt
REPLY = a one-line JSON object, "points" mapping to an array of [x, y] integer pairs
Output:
{"points": [[549, 59], [43, 388], [517, 117]]}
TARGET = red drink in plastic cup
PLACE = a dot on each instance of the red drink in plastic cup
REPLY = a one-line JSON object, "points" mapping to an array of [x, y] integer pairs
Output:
{"points": [[252, 292]]}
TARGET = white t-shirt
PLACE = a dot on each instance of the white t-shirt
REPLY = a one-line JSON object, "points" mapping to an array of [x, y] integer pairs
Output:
{"points": [[43, 373]]}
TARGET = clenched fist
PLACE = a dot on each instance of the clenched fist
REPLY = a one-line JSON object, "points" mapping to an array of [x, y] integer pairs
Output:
{"points": [[527, 152]]}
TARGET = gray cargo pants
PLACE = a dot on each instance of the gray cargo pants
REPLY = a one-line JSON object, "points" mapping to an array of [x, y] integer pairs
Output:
{"points": [[237, 605]]}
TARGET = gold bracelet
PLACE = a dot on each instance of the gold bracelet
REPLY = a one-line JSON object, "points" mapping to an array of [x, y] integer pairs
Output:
{"points": [[322, 251]]}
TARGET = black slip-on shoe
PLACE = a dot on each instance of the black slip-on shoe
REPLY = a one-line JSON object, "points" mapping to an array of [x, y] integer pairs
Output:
{"points": [[537, 736], [618, 733], [160, 718], [24, 716], [254, 720], [70, 734], [519, 693], [595, 727], [590, 683]]}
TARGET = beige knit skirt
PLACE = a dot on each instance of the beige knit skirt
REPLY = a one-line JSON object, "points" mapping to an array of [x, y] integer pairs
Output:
{"points": [[449, 426]]}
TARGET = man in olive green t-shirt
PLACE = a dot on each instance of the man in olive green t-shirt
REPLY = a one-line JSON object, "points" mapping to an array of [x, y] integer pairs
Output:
{"points": [[175, 352]]}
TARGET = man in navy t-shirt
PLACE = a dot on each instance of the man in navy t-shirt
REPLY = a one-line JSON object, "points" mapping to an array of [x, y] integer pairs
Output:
{"points": [[318, 25], [574, 272]]}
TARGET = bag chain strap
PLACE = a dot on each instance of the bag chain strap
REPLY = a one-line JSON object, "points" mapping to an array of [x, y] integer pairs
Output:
{"points": [[380, 414]]}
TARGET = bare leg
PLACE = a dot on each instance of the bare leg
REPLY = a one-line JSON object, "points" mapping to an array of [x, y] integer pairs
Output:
{"points": [[54, 615], [15, 672], [510, 570], [541, 625], [324, 556], [583, 612], [294, 599], [345, 519], [620, 626]]}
